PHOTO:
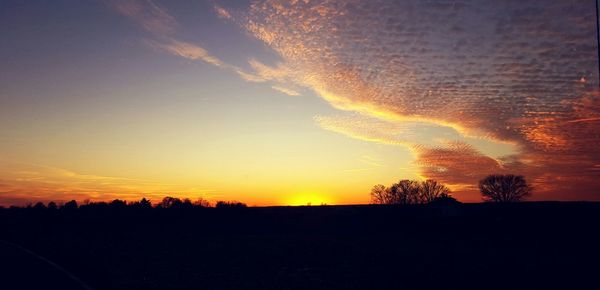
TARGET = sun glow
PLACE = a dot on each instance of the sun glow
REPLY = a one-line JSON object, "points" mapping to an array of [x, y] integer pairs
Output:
{"points": [[308, 198]]}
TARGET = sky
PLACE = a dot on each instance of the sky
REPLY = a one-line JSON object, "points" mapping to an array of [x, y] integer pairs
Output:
{"points": [[295, 102]]}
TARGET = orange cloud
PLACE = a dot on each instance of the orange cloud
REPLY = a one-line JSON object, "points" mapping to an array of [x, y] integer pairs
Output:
{"points": [[458, 164]]}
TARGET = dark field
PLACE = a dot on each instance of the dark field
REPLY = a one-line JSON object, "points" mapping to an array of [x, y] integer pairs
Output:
{"points": [[483, 246]]}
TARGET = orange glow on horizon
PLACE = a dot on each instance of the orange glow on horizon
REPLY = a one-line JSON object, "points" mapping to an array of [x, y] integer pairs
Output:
{"points": [[308, 198]]}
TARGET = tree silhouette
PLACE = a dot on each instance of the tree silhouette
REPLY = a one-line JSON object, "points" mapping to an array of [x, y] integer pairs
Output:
{"points": [[52, 205], [405, 192], [379, 194], [201, 202], [431, 189], [39, 206], [170, 202], [118, 204], [187, 203], [145, 203], [504, 188], [70, 205], [410, 192], [142, 204]]}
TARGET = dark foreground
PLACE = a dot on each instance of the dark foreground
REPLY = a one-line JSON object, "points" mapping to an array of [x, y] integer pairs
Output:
{"points": [[483, 246]]}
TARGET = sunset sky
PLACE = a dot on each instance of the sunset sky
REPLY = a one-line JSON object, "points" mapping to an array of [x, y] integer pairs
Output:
{"points": [[291, 102]]}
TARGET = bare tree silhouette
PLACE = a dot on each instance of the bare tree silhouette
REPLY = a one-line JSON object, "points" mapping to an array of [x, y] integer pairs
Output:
{"points": [[504, 188], [411, 192], [431, 189], [379, 194], [201, 202], [405, 192]]}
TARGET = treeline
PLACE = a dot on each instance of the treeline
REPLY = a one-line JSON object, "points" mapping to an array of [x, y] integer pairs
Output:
{"points": [[412, 192], [166, 203], [493, 188]]}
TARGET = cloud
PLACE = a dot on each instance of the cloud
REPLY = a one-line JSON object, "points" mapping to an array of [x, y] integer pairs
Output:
{"points": [[286, 91], [411, 133], [505, 71], [437, 156], [366, 128], [457, 164], [187, 50], [222, 12], [146, 13], [279, 73], [156, 20]]}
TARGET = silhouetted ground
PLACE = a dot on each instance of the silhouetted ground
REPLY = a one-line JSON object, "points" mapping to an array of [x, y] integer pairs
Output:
{"points": [[23, 269], [483, 246]]}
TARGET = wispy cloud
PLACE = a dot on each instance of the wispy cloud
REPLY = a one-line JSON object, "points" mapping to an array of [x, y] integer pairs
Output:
{"points": [[162, 27], [286, 91], [187, 50], [147, 14], [156, 20]]}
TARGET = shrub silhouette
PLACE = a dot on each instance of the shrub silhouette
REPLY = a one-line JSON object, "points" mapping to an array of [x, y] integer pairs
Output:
{"points": [[504, 188], [230, 204], [444, 199]]}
